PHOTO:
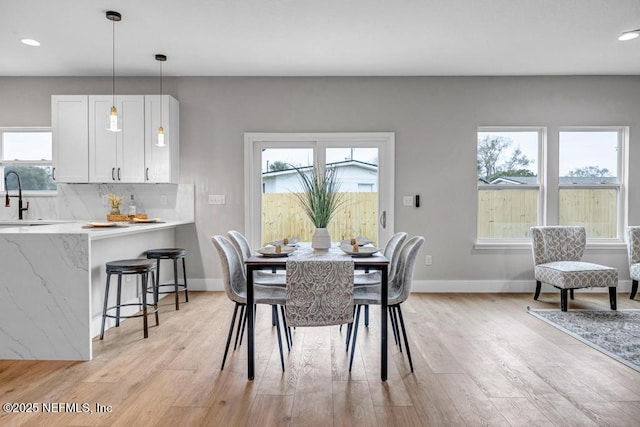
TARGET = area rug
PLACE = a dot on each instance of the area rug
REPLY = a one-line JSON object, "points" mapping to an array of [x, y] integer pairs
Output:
{"points": [[615, 333]]}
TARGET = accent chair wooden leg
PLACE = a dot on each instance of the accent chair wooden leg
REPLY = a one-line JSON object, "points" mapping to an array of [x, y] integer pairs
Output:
{"points": [[613, 297], [538, 286], [563, 299], [634, 289]]}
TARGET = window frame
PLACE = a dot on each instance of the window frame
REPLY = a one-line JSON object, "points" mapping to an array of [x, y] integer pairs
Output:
{"points": [[540, 186], [623, 192], [13, 162]]}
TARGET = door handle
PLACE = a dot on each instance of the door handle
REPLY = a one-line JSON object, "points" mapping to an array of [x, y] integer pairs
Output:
{"points": [[118, 174], [146, 174], [113, 171], [53, 174], [383, 219]]}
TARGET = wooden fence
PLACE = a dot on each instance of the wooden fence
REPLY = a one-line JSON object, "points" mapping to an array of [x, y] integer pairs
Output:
{"points": [[282, 217], [510, 213]]}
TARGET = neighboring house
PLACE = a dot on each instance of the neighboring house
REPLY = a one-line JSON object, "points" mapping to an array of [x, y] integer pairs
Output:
{"points": [[532, 180], [354, 176]]}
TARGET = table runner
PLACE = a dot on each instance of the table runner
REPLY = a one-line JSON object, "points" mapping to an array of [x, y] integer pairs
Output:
{"points": [[319, 289]]}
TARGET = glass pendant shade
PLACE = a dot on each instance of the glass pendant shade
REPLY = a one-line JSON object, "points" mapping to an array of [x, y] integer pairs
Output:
{"points": [[112, 120], [160, 141]]}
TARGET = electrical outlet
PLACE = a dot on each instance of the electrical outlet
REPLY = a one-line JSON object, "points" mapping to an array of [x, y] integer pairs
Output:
{"points": [[407, 201], [217, 199], [427, 260], [163, 200]]}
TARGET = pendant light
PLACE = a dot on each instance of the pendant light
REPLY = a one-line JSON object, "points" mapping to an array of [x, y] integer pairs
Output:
{"points": [[160, 140], [113, 113]]}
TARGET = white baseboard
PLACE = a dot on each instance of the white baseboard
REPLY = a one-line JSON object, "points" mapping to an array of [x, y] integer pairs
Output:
{"points": [[445, 286], [497, 286]]}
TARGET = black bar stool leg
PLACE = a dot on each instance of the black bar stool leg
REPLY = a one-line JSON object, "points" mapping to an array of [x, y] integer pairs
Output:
{"points": [[104, 307], [118, 300], [145, 322], [175, 282], [184, 277]]}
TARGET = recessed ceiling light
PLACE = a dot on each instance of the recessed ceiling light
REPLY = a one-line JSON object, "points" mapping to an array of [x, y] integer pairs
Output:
{"points": [[30, 42], [629, 35]]}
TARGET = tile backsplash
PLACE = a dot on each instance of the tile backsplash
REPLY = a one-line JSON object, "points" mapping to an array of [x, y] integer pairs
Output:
{"points": [[88, 202]]}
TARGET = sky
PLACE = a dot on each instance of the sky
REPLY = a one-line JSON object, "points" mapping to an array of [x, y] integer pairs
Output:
{"points": [[576, 149], [304, 156], [26, 145]]}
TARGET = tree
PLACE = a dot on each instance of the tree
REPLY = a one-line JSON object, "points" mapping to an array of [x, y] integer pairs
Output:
{"points": [[491, 151], [278, 166], [590, 171], [31, 177]]}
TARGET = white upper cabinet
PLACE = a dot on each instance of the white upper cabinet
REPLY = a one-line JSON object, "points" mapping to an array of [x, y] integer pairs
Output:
{"points": [[85, 151], [162, 164], [70, 132], [116, 156]]}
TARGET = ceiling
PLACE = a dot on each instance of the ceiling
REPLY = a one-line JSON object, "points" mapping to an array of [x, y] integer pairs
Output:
{"points": [[320, 37]]}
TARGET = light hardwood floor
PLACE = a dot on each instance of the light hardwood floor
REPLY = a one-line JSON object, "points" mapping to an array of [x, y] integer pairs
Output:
{"points": [[480, 359]]}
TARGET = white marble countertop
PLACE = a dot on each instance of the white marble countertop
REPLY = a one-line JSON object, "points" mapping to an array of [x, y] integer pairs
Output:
{"points": [[96, 233]]}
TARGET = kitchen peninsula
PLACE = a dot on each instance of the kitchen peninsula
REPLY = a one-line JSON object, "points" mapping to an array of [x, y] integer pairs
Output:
{"points": [[53, 276]]}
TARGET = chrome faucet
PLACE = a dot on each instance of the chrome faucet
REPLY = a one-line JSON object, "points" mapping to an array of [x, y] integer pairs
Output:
{"points": [[19, 196]]}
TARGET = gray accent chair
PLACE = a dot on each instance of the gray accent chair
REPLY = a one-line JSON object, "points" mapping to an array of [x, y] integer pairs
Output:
{"points": [[235, 286], [557, 254], [633, 250], [263, 278]]}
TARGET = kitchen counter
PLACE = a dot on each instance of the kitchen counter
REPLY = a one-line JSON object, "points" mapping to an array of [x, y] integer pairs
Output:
{"points": [[53, 280]]}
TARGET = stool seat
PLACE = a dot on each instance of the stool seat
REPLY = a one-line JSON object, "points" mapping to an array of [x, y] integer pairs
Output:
{"points": [[166, 253], [123, 267], [131, 266], [171, 288]]}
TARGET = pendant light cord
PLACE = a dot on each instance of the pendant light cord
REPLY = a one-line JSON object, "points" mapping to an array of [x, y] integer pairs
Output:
{"points": [[160, 93], [113, 61]]}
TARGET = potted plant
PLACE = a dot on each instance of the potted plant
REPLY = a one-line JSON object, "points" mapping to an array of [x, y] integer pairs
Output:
{"points": [[320, 200]]}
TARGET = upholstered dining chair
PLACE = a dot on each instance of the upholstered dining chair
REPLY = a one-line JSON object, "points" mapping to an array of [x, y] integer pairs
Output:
{"points": [[263, 278], [391, 252], [399, 291], [633, 251], [557, 254], [235, 286]]}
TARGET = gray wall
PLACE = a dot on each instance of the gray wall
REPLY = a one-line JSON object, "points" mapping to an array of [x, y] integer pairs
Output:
{"points": [[434, 118]]}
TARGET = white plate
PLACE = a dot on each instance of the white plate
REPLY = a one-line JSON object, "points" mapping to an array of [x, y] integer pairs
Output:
{"points": [[102, 224], [290, 241], [146, 221], [362, 251], [270, 251], [360, 241]]}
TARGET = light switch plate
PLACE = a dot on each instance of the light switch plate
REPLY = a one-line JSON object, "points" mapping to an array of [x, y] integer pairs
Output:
{"points": [[407, 201], [216, 199]]}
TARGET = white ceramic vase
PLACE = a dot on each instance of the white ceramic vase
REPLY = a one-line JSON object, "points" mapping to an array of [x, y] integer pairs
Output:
{"points": [[321, 241]]}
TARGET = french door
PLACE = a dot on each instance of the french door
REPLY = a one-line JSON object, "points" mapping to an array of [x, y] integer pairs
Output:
{"points": [[364, 163]]}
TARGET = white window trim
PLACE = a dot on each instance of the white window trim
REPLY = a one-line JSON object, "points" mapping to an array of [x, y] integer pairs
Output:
{"points": [[523, 243], [6, 162], [623, 179]]}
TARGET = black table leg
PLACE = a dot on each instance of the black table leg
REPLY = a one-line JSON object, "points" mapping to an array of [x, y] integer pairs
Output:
{"points": [[251, 324], [384, 295]]}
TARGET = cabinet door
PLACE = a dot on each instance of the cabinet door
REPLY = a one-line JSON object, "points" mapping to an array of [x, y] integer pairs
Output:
{"points": [[103, 144], [162, 164], [131, 139], [116, 156], [70, 133]]}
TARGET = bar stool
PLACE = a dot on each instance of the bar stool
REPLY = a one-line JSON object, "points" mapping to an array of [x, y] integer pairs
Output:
{"points": [[140, 267], [174, 254]]}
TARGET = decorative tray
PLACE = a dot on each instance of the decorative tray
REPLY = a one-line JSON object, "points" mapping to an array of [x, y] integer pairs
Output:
{"points": [[271, 251], [103, 225], [364, 251], [146, 220]]}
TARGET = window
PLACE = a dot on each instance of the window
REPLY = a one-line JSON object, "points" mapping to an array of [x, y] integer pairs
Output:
{"points": [[27, 152], [590, 181], [509, 190]]}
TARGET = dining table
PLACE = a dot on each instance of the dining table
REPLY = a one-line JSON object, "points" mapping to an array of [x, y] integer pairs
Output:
{"points": [[257, 261]]}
